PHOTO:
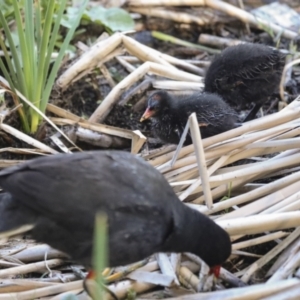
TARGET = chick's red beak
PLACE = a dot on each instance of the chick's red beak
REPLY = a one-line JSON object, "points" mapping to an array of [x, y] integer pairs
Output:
{"points": [[215, 270], [147, 114]]}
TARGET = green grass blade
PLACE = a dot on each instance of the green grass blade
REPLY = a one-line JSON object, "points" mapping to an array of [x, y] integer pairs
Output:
{"points": [[16, 71], [100, 251], [29, 35], [61, 54], [24, 72], [10, 72], [43, 51], [38, 24], [54, 35]]}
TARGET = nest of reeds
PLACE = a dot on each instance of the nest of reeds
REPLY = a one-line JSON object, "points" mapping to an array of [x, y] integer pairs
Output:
{"points": [[246, 179]]}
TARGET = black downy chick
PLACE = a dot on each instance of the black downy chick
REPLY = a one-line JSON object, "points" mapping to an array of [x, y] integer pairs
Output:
{"points": [[169, 115], [245, 73]]}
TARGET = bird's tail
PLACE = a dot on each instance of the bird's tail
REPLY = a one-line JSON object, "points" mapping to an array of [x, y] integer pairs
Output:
{"points": [[14, 218]]}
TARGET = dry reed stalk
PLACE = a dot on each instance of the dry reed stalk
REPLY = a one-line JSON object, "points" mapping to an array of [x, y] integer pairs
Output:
{"points": [[219, 163], [169, 72], [63, 113], [253, 292], [243, 253], [222, 190], [107, 76], [6, 264], [216, 41], [184, 173], [120, 289], [287, 269], [259, 240], [89, 59], [263, 203], [113, 54], [286, 202], [167, 268], [144, 53], [260, 223], [197, 141], [283, 257], [19, 285], [175, 85], [152, 277], [175, 260], [6, 163], [187, 277], [138, 139], [227, 8], [259, 192], [250, 270], [23, 151], [43, 292], [26, 138], [17, 231], [37, 253], [231, 279], [129, 67], [285, 162], [169, 15], [290, 293], [33, 267]]}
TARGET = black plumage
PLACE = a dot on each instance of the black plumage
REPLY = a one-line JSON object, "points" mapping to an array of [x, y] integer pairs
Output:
{"points": [[169, 115], [61, 194], [245, 73]]}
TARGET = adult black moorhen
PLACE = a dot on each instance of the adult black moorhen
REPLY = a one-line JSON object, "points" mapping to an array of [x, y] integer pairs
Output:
{"points": [[169, 115], [61, 194], [245, 73]]}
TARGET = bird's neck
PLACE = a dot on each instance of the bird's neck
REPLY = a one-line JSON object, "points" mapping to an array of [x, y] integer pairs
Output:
{"points": [[191, 230]]}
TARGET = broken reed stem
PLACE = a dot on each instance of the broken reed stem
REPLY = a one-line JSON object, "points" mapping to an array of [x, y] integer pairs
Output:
{"points": [[174, 16], [254, 292], [269, 165], [259, 192], [90, 59], [260, 240], [44, 291], [261, 204], [287, 268], [33, 267], [143, 52], [197, 141], [26, 138], [227, 8], [260, 223], [249, 271]]}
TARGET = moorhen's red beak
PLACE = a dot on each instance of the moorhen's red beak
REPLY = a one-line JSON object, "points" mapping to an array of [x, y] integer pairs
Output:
{"points": [[147, 114], [215, 270], [91, 275]]}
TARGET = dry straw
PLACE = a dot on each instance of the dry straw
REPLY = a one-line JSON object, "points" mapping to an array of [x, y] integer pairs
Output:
{"points": [[217, 176]]}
